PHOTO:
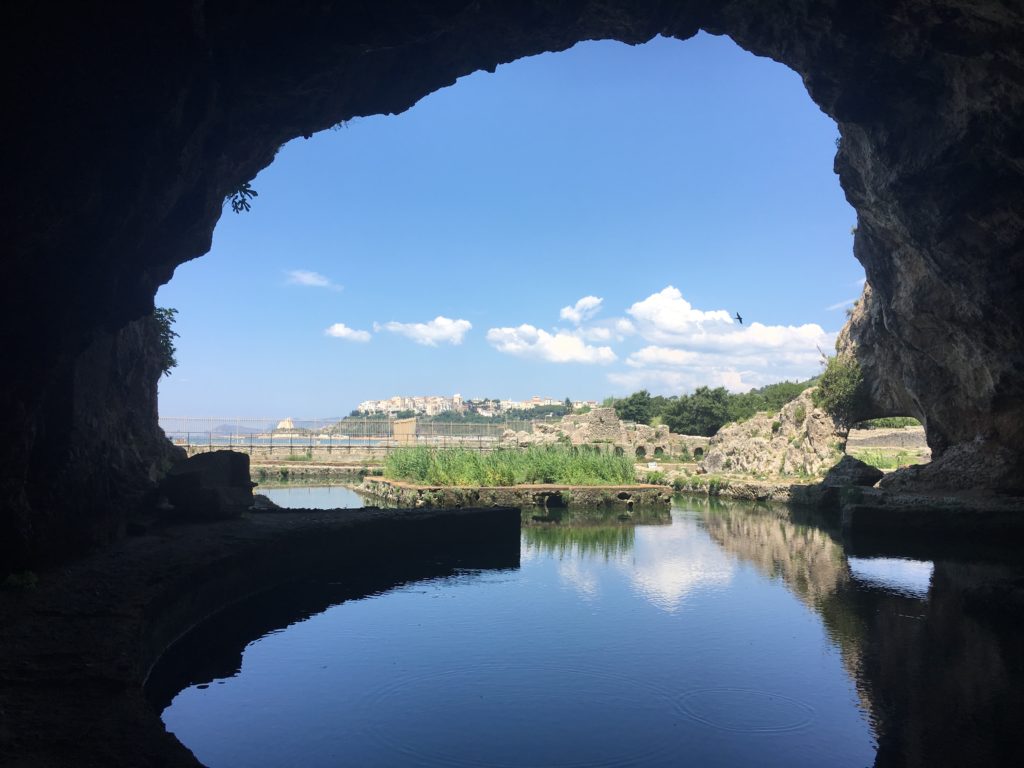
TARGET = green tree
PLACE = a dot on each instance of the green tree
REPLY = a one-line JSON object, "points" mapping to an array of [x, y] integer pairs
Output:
{"points": [[701, 413], [841, 390], [163, 317], [636, 407]]}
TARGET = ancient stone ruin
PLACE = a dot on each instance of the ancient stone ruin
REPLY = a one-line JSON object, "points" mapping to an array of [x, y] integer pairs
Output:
{"points": [[602, 428]]}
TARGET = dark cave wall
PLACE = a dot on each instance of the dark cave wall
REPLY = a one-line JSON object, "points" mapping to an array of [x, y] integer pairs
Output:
{"points": [[129, 126], [96, 451]]}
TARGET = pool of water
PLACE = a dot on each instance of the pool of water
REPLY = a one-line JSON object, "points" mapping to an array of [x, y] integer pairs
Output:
{"points": [[717, 635], [314, 497]]}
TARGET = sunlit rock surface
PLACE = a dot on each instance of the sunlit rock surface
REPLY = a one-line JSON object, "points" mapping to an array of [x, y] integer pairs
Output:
{"points": [[801, 440]]}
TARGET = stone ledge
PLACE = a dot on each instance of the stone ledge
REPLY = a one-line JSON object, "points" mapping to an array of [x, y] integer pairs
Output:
{"points": [[75, 651], [405, 494]]}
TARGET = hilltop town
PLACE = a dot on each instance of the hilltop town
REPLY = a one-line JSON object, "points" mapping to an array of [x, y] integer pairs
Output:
{"points": [[433, 405]]}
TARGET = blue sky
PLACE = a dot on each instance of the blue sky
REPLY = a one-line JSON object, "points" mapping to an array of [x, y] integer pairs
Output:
{"points": [[577, 224]]}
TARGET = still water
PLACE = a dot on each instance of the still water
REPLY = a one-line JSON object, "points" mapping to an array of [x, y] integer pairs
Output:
{"points": [[314, 497], [714, 635]]}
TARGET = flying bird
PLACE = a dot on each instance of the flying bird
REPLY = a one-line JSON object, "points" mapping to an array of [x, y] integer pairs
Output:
{"points": [[738, 317]]}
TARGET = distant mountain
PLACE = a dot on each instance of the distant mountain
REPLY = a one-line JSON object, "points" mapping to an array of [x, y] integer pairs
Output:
{"points": [[238, 429]]}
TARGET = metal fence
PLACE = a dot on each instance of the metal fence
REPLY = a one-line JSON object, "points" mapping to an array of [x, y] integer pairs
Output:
{"points": [[291, 435]]}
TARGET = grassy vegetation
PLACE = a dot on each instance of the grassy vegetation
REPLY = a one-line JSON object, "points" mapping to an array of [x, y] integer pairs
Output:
{"points": [[508, 466], [889, 422], [886, 459]]}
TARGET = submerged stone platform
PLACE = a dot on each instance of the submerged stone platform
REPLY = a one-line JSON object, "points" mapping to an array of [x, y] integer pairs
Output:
{"points": [[76, 649], [545, 496]]}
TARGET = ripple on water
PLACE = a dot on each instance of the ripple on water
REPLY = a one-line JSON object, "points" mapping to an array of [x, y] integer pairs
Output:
{"points": [[743, 710], [516, 713]]}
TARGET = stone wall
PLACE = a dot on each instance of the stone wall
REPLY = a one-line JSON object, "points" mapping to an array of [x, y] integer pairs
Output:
{"points": [[625, 497]]}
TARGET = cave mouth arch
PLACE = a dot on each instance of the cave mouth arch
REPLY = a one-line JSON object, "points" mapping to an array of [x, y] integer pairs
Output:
{"points": [[926, 96]]}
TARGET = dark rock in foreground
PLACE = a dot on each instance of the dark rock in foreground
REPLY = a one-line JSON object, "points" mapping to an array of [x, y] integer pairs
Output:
{"points": [[210, 486], [852, 471]]}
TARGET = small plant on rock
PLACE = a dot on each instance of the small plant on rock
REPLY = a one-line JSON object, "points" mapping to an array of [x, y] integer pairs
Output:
{"points": [[240, 198]]}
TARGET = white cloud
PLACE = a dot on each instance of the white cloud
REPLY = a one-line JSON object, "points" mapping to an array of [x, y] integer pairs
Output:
{"points": [[624, 327], [595, 333], [657, 356], [584, 309], [342, 331], [614, 329], [559, 347], [666, 317], [311, 279], [440, 330], [692, 347], [660, 380]]}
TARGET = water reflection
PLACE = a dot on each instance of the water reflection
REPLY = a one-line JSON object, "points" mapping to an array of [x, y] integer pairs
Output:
{"points": [[663, 564], [668, 568], [586, 533], [736, 635], [934, 647], [900, 575], [300, 496]]}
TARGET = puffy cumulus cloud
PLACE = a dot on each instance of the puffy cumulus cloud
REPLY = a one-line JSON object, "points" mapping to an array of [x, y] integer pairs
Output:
{"points": [[666, 317], [692, 347], [661, 356], [624, 327], [440, 330], [342, 331], [584, 309], [595, 333], [660, 380], [615, 329], [559, 347], [311, 279]]}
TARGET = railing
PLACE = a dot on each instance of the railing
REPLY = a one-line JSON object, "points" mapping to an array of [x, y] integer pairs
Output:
{"points": [[306, 437]]}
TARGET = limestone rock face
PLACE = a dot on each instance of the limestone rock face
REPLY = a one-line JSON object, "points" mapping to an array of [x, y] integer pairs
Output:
{"points": [[801, 440], [117, 174], [973, 427]]}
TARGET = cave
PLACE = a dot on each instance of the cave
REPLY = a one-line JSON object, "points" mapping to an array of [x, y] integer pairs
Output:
{"points": [[130, 130]]}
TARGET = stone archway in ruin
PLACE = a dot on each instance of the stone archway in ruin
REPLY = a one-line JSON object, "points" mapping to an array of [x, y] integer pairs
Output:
{"points": [[127, 130]]}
